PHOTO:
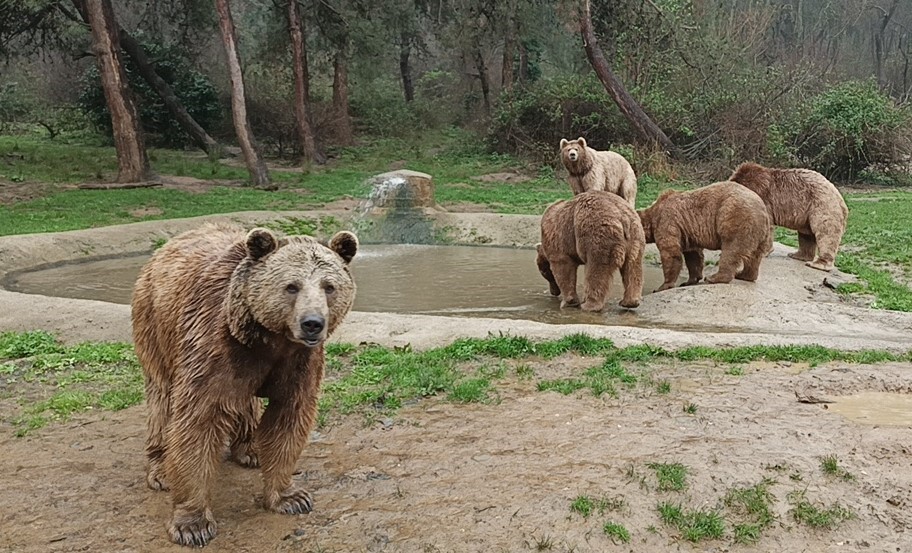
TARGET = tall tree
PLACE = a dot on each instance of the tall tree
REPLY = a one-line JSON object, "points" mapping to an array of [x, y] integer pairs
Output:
{"points": [[630, 108], [344, 133], [255, 164], [301, 96], [132, 161], [405, 66]]}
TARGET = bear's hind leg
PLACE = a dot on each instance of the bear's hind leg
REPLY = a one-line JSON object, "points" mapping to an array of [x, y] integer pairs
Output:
{"points": [[196, 438], [281, 436], [158, 401], [242, 450], [671, 265], [695, 262], [828, 234], [598, 284], [807, 245], [632, 277], [751, 269], [729, 265], [564, 270]]}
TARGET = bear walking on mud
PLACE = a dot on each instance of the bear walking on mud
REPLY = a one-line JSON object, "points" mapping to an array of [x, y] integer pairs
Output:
{"points": [[801, 200], [597, 229], [591, 169], [221, 318], [722, 216]]}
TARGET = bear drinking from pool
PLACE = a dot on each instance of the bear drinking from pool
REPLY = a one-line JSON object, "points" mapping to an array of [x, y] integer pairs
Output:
{"points": [[220, 318]]}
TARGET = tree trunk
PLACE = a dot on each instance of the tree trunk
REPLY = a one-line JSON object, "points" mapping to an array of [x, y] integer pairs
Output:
{"points": [[483, 79], [405, 66], [629, 107], [193, 129], [506, 70], [132, 161], [523, 64], [255, 164], [880, 39], [340, 99], [302, 121]]}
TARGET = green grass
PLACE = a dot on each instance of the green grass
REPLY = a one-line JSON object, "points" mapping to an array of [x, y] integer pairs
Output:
{"points": [[616, 532], [67, 379], [694, 526], [671, 476], [831, 467], [690, 408], [753, 508], [809, 514], [586, 505]]}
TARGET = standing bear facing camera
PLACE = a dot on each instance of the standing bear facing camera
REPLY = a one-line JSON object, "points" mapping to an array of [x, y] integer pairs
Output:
{"points": [[599, 230], [801, 200], [222, 317], [722, 216], [594, 170]]}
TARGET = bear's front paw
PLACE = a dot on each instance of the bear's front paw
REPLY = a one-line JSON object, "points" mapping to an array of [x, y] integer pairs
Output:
{"points": [[572, 302], [156, 481], [592, 306], [665, 286], [245, 457], [820, 265], [800, 256], [630, 304], [292, 502], [192, 528]]}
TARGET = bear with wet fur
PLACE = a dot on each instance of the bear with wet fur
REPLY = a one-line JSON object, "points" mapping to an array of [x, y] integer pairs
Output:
{"points": [[801, 200], [601, 231], [722, 216], [221, 318], [591, 169]]}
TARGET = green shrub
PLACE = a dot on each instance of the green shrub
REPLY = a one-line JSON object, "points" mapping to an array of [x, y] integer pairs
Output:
{"points": [[195, 91], [844, 130]]}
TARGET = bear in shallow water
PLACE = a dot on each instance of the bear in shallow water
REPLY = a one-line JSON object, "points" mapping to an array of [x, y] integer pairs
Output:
{"points": [[221, 318], [601, 231]]}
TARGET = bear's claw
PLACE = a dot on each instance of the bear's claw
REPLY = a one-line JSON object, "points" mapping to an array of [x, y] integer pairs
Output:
{"points": [[194, 530], [295, 503]]}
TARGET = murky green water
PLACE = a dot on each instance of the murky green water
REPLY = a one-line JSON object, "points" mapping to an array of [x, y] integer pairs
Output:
{"points": [[434, 280]]}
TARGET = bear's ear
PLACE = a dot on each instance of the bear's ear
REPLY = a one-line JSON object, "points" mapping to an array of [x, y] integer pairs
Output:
{"points": [[345, 244], [563, 143], [261, 242], [582, 142], [538, 247]]}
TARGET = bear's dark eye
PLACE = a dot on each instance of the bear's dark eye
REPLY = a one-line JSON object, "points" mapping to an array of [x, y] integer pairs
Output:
{"points": [[292, 289], [329, 289]]}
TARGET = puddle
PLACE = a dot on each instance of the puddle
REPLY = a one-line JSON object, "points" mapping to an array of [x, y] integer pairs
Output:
{"points": [[875, 408], [463, 281]]}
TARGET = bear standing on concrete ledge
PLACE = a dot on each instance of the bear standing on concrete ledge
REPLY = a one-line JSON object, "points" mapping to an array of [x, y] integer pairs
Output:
{"points": [[802, 200], [220, 318], [597, 229], [594, 170], [722, 216]]}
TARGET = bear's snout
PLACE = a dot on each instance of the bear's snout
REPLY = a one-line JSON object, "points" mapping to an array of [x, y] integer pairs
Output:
{"points": [[573, 154], [312, 327]]}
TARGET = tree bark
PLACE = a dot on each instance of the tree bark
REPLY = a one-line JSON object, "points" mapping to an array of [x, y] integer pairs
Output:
{"points": [[629, 107], [132, 161], [405, 66], [255, 164], [483, 79], [340, 99], [186, 121], [523, 64], [301, 107], [506, 70]]}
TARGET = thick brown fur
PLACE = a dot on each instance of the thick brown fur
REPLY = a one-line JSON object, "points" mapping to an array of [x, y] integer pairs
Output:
{"points": [[722, 216], [599, 230], [222, 317], [591, 169], [801, 200]]}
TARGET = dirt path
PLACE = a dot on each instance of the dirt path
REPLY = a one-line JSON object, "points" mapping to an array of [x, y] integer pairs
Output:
{"points": [[500, 477]]}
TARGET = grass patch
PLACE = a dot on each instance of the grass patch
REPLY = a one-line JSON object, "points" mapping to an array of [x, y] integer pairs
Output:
{"points": [[57, 381], [690, 408], [599, 380], [694, 526], [671, 477], [616, 532], [471, 390], [753, 508], [805, 512], [586, 505], [831, 467]]}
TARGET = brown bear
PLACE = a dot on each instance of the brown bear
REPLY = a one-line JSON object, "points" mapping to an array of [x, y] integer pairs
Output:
{"points": [[221, 318], [722, 216], [801, 200], [601, 231], [594, 170]]}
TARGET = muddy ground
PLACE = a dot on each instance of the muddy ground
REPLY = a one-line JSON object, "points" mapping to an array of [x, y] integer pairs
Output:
{"points": [[439, 476]]}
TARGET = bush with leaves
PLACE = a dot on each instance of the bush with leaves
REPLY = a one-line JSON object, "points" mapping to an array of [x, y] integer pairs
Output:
{"points": [[844, 130], [195, 91]]}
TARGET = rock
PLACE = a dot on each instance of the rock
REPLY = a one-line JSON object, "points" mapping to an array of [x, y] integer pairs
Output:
{"points": [[836, 279], [401, 189]]}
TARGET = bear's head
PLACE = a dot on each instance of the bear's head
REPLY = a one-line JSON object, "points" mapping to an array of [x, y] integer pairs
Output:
{"points": [[573, 154], [544, 267], [295, 287], [753, 176], [648, 215]]}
